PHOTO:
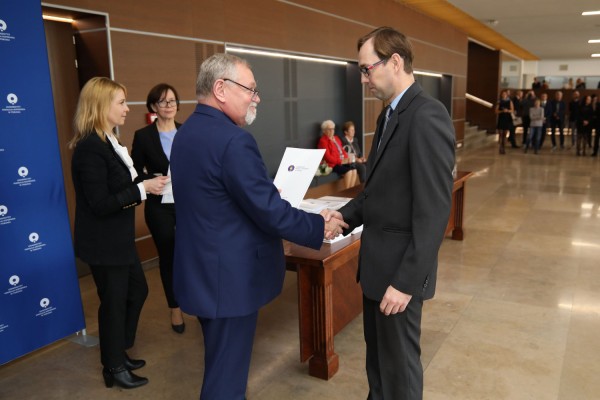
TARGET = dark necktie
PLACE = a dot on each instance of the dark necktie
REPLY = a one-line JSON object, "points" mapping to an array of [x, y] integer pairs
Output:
{"points": [[385, 122]]}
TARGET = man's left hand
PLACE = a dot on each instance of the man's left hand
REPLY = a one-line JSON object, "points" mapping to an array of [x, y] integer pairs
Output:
{"points": [[394, 301]]}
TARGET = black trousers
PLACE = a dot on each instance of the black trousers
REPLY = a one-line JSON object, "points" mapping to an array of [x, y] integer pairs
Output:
{"points": [[160, 219], [526, 124], [122, 290], [394, 369], [560, 125]]}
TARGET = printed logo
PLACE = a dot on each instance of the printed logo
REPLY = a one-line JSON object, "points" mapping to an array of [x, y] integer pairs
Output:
{"points": [[5, 36], [36, 244], [291, 168], [46, 309], [12, 99], [16, 286], [5, 219], [34, 237], [24, 180]]}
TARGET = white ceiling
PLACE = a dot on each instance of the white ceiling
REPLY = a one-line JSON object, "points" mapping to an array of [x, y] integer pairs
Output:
{"points": [[550, 29]]}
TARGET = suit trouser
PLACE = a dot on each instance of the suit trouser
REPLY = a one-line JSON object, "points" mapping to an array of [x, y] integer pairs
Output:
{"points": [[526, 124], [122, 290], [394, 369], [560, 125], [227, 350], [160, 219]]}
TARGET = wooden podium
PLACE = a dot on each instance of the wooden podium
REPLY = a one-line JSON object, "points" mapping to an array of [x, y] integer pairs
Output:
{"points": [[329, 296]]}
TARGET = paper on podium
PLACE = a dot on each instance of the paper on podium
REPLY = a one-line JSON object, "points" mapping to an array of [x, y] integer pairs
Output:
{"points": [[317, 205], [296, 171]]}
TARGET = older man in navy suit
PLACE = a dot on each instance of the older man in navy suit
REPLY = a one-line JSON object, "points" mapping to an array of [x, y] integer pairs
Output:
{"points": [[229, 258]]}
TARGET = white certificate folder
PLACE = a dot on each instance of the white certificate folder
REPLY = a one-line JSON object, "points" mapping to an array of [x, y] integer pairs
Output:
{"points": [[296, 171]]}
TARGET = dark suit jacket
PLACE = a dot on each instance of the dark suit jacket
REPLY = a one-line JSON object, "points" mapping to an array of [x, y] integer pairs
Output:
{"points": [[229, 258], [148, 156], [354, 145], [406, 201], [558, 109], [105, 197]]}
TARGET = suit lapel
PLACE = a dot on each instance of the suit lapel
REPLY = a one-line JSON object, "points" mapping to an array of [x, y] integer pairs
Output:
{"points": [[392, 126], [158, 145]]}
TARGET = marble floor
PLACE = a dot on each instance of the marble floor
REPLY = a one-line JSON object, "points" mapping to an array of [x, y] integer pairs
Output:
{"points": [[516, 314]]}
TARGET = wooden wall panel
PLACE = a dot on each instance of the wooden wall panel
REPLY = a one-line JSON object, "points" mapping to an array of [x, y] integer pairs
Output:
{"points": [[459, 129], [458, 108], [142, 61]]}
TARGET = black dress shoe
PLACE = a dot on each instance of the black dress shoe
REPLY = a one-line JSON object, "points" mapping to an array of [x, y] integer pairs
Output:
{"points": [[133, 364], [122, 377], [179, 328]]}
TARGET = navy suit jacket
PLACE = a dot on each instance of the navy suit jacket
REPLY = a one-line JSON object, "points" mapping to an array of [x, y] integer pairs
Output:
{"points": [[558, 109], [406, 200], [229, 258]]}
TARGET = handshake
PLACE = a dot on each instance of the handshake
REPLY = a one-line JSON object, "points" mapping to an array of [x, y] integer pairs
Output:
{"points": [[334, 223]]}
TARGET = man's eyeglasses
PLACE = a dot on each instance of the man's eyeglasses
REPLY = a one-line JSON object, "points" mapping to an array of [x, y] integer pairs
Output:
{"points": [[165, 103], [254, 91], [366, 71]]}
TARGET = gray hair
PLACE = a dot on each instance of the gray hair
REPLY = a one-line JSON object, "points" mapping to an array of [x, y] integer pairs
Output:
{"points": [[217, 66], [327, 124]]}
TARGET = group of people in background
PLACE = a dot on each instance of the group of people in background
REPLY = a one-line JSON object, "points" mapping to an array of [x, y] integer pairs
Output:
{"points": [[538, 116]]}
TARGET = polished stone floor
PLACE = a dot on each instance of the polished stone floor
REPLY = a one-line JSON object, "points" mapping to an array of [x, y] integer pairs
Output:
{"points": [[516, 314]]}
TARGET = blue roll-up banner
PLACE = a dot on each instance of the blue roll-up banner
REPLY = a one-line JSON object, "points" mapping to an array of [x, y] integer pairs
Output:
{"points": [[40, 300]]}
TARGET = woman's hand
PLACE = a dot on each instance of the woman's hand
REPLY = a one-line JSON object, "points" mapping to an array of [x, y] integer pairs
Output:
{"points": [[156, 185]]}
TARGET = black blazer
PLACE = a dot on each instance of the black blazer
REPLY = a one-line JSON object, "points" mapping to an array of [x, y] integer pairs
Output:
{"points": [[105, 198], [405, 203], [148, 156]]}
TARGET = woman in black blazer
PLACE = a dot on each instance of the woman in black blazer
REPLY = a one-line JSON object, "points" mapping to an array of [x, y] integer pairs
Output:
{"points": [[151, 152], [105, 195]]}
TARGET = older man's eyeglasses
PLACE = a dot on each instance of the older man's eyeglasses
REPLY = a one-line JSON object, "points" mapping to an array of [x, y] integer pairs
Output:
{"points": [[254, 91], [167, 103], [366, 70]]}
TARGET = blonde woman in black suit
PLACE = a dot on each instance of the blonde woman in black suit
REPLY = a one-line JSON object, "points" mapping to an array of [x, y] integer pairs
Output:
{"points": [[105, 193], [151, 152]]}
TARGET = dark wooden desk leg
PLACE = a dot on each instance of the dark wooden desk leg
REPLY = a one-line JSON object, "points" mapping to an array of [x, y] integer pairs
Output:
{"points": [[457, 232], [316, 321]]}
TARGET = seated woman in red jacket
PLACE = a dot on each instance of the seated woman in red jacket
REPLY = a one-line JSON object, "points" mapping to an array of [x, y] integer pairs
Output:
{"points": [[335, 155]]}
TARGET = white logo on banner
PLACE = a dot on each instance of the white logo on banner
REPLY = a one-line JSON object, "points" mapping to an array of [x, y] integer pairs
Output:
{"points": [[12, 98], [46, 310], [34, 237], [2, 26], [5, 36], [16, 288], [36, 245], [5, 219], [24, 180]]}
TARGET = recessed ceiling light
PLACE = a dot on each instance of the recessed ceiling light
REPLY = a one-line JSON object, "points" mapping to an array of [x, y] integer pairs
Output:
{"points": [[590, 13], [594, 41], [596, 55]]}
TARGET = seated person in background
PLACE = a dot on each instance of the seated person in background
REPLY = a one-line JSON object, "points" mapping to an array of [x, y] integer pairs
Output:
{"points": [[335, 156], [351, 147]]}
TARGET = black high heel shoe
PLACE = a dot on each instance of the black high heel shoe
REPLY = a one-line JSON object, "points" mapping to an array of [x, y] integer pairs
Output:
{"points": [[122, 377], [132, 364], [179, 328]]}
